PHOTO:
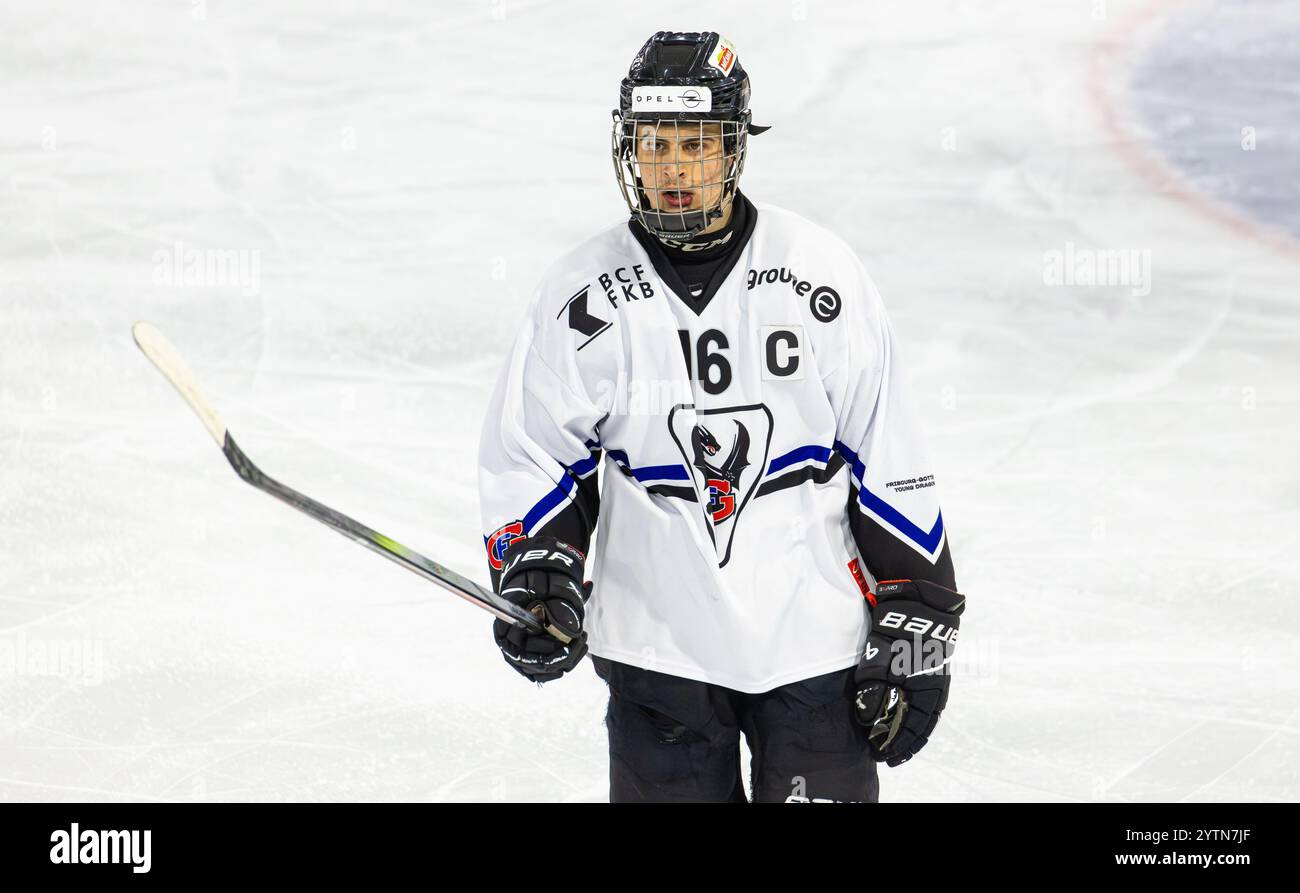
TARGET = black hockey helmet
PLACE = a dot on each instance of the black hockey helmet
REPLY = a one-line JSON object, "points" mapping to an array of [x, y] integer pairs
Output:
{"points": [[683, 89]]}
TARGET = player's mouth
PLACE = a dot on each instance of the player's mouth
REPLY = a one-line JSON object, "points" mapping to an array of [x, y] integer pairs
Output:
{"points": [[676, 199]]}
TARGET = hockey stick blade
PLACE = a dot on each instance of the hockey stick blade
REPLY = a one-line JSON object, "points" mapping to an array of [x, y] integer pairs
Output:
{"points": [[170, 363]]}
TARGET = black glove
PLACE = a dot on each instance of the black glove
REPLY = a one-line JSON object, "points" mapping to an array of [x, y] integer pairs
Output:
{"points": [[902, 679], [542, 571]]}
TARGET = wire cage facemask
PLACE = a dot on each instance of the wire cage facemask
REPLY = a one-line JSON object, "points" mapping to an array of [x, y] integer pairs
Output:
{"points": [[676, 174]]}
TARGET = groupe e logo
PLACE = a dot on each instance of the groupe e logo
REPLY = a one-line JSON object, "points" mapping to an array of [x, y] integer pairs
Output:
{"points": [[824, 302]]}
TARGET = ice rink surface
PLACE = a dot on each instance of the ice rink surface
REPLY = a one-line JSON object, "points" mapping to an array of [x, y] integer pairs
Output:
{"points": [[1117, 461]]}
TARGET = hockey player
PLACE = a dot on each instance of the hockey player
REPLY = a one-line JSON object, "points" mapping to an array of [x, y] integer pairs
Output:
{"points": [[771, 560]]}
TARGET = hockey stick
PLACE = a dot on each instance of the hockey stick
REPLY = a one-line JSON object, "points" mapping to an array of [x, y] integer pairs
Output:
{"points": [[169, 362]]}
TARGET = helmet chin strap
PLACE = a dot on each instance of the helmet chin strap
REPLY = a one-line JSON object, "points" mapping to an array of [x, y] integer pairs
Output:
{"points": [[683, 225], [679, 224]]}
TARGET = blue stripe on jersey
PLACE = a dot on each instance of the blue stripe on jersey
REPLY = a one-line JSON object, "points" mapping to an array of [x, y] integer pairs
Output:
{"points": [[650, 472], [548, 502], [820, 453], [927, 540], [859, 470], [661, 473], [581, 468]]}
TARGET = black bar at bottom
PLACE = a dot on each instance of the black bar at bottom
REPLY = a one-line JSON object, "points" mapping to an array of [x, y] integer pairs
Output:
{"points": [[888, 844]]}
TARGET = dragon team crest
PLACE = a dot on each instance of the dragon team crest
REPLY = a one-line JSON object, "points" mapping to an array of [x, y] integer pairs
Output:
{"points": [[726, 452]]}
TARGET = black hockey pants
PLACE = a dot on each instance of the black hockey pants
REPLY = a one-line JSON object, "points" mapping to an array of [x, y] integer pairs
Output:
{"points": [[675, 740]]}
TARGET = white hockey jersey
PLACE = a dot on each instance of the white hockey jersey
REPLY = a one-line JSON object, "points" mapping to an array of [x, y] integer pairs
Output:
{"points": [[760, 467]]}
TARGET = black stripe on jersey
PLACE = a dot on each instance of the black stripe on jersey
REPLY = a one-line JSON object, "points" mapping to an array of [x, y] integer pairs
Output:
{"points": [[889, 558], [686, 493], [587, 499], [795, 478]]}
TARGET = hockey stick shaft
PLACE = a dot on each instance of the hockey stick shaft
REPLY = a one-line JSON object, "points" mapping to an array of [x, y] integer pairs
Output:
{"points": [[169, 362]]}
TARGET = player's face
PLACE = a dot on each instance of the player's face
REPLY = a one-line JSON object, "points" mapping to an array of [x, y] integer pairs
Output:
{"points": [[682, 164]]}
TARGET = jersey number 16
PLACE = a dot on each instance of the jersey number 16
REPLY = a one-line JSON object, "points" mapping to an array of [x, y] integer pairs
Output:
{"points": [[781, 356]]}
